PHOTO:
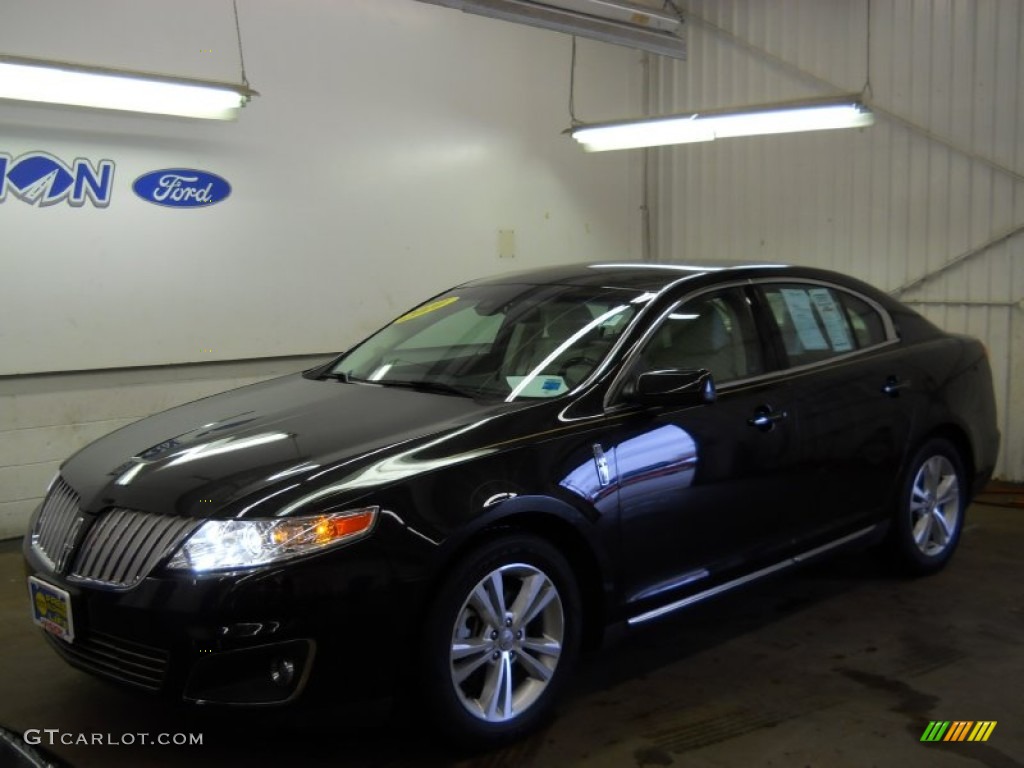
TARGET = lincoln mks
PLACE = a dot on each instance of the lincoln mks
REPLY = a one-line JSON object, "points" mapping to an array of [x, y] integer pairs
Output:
{"points": [[460, 503]]}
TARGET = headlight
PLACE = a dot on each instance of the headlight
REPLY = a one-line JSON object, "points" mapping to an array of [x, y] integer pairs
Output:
{"points": [[222, 544]]}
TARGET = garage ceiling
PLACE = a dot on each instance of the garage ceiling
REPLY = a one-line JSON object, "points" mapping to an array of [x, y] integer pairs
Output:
{"points": [[644, 26]]}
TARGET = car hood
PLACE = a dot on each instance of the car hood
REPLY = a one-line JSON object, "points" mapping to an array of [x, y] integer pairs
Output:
{"points": [[292, 441]]}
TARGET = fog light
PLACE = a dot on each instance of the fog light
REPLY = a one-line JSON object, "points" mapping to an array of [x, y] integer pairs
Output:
{"points": [[282, 672]]}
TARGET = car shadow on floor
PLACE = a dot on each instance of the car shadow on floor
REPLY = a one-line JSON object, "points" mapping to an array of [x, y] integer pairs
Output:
{"points": [[641, 652], [402, 737]]}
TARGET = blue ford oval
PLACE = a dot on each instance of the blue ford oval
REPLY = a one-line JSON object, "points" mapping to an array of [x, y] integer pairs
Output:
{"points": [[181, 188]]}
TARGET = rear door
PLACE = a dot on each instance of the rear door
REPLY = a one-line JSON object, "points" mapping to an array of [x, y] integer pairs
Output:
{"points": [[854, 402]]}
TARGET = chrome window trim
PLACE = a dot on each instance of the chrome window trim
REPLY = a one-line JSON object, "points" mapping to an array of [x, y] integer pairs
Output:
{"points": [[615, 388], [623, 340], [888, 324], [611, 398], [800, 370]]}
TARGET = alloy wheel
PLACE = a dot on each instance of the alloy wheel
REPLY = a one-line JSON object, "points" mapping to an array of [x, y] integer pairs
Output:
{"points": [[935, 505], [506, 642]]}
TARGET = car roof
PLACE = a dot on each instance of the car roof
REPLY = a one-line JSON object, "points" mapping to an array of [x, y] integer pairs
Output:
{"points": [[657, 276], [647, 276]]}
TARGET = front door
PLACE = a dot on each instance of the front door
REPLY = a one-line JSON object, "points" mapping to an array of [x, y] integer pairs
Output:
{"points": [[701, 489]]}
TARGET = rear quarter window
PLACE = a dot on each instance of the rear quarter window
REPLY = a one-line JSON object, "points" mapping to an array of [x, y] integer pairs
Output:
{"points": [[867, 324], [817, 322]]}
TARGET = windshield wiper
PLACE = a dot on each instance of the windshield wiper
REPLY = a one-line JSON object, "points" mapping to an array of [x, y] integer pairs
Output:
{"points": [[421, 386], [425, 386], [346, 378]]}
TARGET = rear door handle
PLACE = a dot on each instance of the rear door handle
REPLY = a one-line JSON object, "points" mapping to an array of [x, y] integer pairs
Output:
{"points": [[764, 418], [893, 385]]}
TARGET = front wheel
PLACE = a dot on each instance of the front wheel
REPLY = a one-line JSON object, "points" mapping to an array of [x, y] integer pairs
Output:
{"points": [[502, 638], [930, 515]]}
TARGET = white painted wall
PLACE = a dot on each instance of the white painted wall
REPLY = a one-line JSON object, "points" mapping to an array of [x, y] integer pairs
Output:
{"points": [[44, 418], [390, 143], [939, 176]]}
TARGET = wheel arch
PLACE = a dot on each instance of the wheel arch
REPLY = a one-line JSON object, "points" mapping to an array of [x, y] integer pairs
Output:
{"points": [[921, 554], [961, 441], [529, 516]]}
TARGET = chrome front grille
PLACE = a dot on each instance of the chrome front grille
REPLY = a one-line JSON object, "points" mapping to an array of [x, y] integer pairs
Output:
{"points": [[57, 527], [119, 550], [123, 546]]}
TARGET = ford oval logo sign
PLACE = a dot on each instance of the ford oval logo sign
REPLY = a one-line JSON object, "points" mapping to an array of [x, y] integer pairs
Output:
{"points": [[181, 188]]}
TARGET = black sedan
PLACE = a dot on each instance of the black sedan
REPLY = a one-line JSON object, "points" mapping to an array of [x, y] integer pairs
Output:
{"points": [[461, 502]]}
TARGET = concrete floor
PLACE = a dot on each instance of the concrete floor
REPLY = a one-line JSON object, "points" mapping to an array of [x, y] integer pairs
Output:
{"points": [[841, 664]]}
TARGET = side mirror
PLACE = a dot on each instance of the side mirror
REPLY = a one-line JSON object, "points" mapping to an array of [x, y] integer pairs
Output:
{"points": [[674, 387]]}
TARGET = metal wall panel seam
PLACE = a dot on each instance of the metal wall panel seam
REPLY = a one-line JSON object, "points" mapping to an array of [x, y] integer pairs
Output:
{"points": [[959, 259], [837, 90]]}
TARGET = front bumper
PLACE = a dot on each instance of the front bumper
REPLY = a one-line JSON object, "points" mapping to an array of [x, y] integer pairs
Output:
{"points": [[327, 624]]}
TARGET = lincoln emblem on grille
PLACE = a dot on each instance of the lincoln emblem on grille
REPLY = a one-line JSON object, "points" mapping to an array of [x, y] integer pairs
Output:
{"points": [[69, 544]]}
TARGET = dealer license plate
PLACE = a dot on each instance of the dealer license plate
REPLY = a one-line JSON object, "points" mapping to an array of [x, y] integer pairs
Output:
{"points": [[51, 609]]}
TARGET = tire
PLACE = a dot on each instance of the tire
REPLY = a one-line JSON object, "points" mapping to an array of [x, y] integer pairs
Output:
{"points": [[495, 666], [930, 512]]}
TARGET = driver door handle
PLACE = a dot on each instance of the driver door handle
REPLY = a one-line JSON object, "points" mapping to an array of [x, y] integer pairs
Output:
{"points": [[764, 418], [893, 385]]}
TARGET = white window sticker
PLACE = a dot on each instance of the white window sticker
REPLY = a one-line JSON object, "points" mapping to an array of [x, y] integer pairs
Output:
{"points": [[537, 386], [802, 313], [832, 316]]}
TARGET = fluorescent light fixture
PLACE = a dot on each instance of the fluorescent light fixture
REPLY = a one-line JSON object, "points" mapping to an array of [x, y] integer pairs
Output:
{"points": [[724, 124], [618, 22], [77, 85], [620, 11]]}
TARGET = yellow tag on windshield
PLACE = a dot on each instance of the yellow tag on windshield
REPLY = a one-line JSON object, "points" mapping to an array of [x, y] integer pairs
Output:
{"points": [[426, 308]]}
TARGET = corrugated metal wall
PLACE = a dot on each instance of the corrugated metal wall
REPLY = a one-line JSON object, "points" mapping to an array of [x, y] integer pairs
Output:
{"points": [[934, 188]]}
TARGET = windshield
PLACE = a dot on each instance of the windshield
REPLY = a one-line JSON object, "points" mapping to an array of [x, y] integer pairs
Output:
{"points": [[506, 341]]}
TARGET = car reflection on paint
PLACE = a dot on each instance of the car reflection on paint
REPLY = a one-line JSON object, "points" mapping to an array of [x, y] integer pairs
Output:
{"points": [[666, 452], [459, 504]]}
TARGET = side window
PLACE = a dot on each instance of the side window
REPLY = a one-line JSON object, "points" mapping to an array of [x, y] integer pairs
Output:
{"points": [[817, 323], [868, 327], [713, 331]]}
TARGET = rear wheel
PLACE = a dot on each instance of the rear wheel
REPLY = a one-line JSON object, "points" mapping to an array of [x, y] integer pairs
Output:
{"points": [[502, 638], [932, 502]]}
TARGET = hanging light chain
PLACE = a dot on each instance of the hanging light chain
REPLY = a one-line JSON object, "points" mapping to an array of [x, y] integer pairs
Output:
{"points": [[572, 85], [866, 93], [241, 56]]}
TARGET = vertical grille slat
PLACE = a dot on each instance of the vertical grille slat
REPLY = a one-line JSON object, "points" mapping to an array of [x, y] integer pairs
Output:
{"points": [[44, 526], [137, 550], [56, 523], [175, 533], [122, 548], [125, 545], [103, 539], [87, 560], [90, 557]]}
